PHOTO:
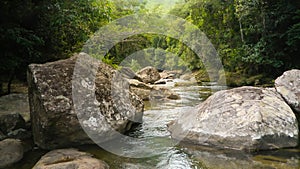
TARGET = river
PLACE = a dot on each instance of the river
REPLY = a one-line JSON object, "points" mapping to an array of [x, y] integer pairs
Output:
{"points": [[155, 149]]}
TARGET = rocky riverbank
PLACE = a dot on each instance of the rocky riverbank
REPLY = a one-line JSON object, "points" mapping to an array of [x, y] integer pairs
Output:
{"points": [[248, 118], [245, 118]]}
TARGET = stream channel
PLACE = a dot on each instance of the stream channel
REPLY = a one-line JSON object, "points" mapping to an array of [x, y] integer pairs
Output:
{"points": [[164, 153]]}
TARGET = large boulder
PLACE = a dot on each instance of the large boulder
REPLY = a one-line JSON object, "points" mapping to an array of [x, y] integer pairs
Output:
{"points": [[100, 108], [288, 85], [246, 118], [11, 151], [69, 159], [149, 74]]}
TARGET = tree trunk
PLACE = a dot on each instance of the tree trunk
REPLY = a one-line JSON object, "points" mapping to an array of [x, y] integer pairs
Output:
{"points": [[241, 30], [11, 78]]}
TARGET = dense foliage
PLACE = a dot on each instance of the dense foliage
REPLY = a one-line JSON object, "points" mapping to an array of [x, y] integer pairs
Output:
{"points": [[39, 31], [257, 36], [251, 37]]}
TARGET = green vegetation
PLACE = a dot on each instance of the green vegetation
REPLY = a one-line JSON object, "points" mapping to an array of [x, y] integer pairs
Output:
{"points": [[252, 37], [256, 39]]}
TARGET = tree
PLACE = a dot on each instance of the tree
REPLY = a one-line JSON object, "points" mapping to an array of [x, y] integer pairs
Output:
{"points": [[39, 31]]}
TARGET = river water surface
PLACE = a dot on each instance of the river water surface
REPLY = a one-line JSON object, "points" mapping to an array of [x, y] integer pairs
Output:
{"points": [[155, 149]]}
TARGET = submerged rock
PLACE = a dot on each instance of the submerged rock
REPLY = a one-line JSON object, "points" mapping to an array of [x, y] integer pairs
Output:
{"points": [[69, 159], [149, 74], [288, 85], [11, 151], [246, 118], [102, 107]]}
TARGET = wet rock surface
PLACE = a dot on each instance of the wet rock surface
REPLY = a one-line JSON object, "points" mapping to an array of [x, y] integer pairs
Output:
{"points": [[288, 85], [69, 159], [101, 106], [246, 118]]}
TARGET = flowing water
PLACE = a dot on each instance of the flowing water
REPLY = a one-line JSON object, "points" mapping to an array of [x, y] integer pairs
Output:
{"points": [[153, 147]]}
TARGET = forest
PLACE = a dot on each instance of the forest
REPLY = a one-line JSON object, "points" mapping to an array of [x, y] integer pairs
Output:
{"points": [[257, 40]]}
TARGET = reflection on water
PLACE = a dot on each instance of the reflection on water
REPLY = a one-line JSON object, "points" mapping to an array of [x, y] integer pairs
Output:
{"points": [[154, 140]]}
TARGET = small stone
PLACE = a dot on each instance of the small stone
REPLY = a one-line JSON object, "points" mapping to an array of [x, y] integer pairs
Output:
{"points": [[69, 159], [149, 74], [11, 151]]}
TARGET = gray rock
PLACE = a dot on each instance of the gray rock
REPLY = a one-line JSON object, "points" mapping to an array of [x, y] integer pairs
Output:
{"points": [[246, 118], [166, 75], [102, 105], [10, 122], [21, 134], [129, 74], [15, 103], [148, 92], [69, 159], [163, 92], [11, 151], [149, 74], [288, 85], [2, 136]]}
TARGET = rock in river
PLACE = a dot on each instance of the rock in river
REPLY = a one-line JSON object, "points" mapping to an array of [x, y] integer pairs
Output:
{"points": [[245, 118], [149, 74], [150, 92], [288, 85], [100, 106], [69, 159]]}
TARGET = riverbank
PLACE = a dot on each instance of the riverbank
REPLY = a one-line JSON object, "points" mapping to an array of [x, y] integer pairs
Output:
{"points": [[53, 125], [186, 156]]}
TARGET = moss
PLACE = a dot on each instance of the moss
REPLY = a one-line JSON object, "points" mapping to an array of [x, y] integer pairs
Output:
{"points": [[236, 79], [203, 75]]}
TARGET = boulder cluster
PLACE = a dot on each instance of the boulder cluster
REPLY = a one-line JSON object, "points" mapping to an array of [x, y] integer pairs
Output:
{"points": [[245, 118], [71, 103]]}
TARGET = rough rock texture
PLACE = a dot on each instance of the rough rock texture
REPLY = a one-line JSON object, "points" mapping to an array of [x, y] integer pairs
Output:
{"points": [[10, 122], [11, 151], [100, 108], [288, 85], [69, 159], [148, 92], [149, 74], [246, 118]]}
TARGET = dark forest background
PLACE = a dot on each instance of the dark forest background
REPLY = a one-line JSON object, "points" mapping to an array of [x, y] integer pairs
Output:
{"points": [[257, 39]]}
